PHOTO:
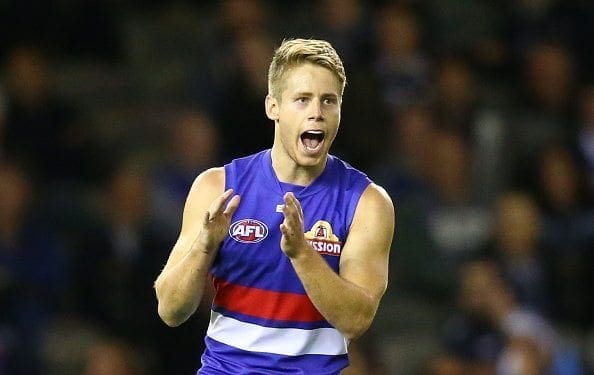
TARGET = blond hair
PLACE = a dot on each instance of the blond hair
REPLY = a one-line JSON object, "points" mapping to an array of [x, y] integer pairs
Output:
{"points": [[294, 52]]}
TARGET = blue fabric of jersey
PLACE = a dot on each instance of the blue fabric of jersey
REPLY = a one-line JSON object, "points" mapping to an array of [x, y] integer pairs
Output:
{"points": [[332, 198]]}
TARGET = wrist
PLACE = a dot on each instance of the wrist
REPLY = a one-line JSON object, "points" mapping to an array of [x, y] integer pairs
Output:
{"points": [[301, 253], [204, 246]]}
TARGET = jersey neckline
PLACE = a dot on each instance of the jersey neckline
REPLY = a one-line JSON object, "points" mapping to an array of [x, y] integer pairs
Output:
{"points": [[317, 184]]}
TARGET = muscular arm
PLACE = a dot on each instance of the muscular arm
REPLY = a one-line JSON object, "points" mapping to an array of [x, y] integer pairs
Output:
{"points": [[206, 219], [348, 300]]}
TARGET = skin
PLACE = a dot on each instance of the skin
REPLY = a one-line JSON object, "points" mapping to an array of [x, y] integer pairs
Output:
{"points": [[311, 100]]}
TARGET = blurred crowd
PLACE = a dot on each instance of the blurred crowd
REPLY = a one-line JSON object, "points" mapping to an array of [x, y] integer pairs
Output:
{"points": [[477, 117]]}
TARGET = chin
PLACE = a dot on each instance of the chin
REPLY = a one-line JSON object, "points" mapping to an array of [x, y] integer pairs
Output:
{"points": [[311, 161]]}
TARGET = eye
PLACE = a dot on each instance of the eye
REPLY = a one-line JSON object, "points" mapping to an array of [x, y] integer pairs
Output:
{"points": [[329, 101], [302, 99]]}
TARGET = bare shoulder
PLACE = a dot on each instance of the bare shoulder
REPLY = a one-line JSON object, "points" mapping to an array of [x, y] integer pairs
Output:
{"points": [[375, 202], [212, 179], [206, 188], [374, 221], [364, 259]]}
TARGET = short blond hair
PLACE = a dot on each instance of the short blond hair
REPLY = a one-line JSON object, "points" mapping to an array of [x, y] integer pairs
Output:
{"points": [[294, 52]]}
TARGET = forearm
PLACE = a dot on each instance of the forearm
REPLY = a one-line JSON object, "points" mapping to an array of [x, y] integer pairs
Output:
{"points": [[180, 287], [345, 305]]}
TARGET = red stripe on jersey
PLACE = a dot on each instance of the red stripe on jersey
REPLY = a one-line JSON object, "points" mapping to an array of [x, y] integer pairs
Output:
{"points": [[265, 303]]}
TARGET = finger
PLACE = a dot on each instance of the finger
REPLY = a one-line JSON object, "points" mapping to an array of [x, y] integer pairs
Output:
{"points": [[292, 222], [286, 231], [293, 203], [232, 205], [289, 211], [289, 199], [217, 205], [298, 208]]}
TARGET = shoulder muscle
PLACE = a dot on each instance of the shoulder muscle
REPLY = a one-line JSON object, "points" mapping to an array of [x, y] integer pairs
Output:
{"points": [[364, 259], [206, 188]]}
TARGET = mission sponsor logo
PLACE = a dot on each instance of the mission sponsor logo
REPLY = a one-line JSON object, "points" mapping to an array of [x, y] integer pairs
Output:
{"points": [[248, 231], [322, 238]]}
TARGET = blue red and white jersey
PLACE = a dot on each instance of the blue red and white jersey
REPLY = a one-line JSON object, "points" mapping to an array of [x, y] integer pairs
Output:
{"points": [[262, 321]]}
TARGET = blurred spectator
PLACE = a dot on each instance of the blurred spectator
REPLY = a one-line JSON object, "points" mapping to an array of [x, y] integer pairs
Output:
{"points": [[405, 163], [114, 357], [516, 340], [450, 31], [561, 181], [239, 18], [241, 33], [569, 23], [532, 344], [465, 104], [471, 342], [41, 128], [457, 95], [118, 257], [481, 41], [192, 144], [517, 248], [401, 64], [33, 273], [37, 123], [76, 346], [567, 232], [404, 171], [240, 110], [545, 110], [124, 251], [233, 20], [347, 24], [403, 328], [459, 226]]}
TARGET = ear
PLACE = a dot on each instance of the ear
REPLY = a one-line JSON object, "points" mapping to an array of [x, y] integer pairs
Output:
{"points": [[271, 107]]}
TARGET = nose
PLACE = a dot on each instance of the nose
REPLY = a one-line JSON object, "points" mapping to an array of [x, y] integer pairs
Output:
{"points": [[316, 113]]}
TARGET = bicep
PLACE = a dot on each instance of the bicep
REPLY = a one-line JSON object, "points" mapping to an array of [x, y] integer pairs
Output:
{"points": [[206, 187], [365, 256]]}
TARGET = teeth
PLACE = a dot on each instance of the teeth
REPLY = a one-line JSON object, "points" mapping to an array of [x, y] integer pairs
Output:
{"points": [[312, 139]]}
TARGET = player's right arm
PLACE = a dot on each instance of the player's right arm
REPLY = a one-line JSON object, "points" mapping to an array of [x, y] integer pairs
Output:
{"points": [[206, 219]]}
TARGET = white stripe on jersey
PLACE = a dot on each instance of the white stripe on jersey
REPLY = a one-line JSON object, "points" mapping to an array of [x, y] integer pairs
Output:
{"points": [[284, 341]]}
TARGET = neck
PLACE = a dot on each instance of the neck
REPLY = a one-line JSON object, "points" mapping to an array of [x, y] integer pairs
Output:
{"points": [[288, 170]]}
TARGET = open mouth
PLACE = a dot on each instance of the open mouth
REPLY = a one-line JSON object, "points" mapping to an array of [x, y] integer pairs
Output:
{"points": [[312, 139]]}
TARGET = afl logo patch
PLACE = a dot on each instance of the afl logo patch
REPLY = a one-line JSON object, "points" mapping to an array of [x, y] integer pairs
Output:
{"points": [[248, 231]]}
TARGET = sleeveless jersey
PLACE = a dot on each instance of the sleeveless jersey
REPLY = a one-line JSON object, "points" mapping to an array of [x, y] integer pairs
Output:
{"points": [[262, 321]]}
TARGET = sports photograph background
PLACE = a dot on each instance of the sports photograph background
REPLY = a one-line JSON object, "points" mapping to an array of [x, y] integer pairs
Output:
{"points": [[476, 116]]}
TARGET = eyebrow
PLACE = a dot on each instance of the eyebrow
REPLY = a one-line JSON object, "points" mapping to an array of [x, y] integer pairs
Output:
{"points": [[330, 95], [309, 94]]}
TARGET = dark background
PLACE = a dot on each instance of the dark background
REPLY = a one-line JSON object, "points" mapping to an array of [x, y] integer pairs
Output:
{"points": [[476, 116]]}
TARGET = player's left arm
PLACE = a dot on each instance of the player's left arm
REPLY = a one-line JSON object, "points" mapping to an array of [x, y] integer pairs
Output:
{"points": [[348, 300]]}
